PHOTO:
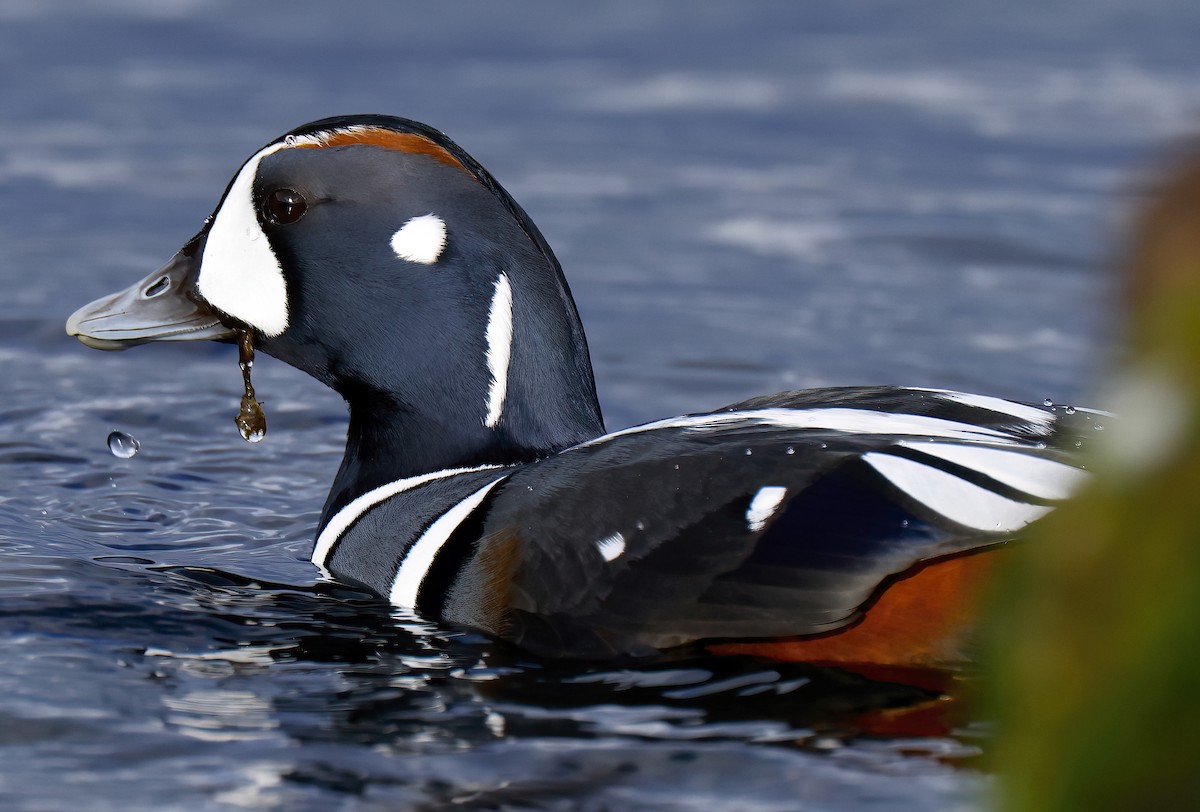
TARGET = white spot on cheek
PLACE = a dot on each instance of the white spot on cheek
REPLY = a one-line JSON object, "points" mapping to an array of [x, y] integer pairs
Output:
{"points": [[422, 239], [499, 349], [239, 272], [763, 506], [611, 547]]}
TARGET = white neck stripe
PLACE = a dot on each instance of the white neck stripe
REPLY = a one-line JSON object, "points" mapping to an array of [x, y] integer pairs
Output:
{"points": [[420, 556], [349, 514], [499, 349]]}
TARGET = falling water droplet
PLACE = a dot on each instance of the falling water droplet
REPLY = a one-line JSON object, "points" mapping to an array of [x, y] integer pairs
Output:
{"points": [[250, 420], [1048, 403], [123, 445]]}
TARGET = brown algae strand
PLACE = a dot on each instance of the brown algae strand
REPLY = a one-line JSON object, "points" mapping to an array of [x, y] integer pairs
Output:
{"points": [[250, 420]]}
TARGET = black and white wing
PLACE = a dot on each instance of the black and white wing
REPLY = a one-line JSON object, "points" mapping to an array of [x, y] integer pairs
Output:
{"points": [[778, 516]]}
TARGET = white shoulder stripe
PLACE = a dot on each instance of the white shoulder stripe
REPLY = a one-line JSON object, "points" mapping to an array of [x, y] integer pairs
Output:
{"points": [[420, 556], [1036, 476], [956, 499], [350, 513], [499, 349], [851, 421], [1021, 411]]}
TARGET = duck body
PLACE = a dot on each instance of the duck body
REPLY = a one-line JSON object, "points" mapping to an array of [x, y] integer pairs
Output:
{"points": [[478, 487]]}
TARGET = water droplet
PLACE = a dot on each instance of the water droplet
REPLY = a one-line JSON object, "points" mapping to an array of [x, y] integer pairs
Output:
{"points": [[904, 522], [824, 445], [1069, 409], [791, 450], [641, 525], [123, 445], [1099, 427], [749, 452], [676, 466], [1048, 403], [1079, 443], [253, 232], [290, 140]]}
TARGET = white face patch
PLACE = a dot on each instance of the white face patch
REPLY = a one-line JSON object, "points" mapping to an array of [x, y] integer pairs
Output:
{"points": [[611, 547], [499, 349], [422, 239], [239, 273], [763, 506]]}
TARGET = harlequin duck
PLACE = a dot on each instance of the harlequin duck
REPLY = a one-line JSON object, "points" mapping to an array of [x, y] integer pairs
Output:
{"points": [[478, 486]]}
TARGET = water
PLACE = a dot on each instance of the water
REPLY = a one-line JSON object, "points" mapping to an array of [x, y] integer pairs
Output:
{"points": [[744, 201]]}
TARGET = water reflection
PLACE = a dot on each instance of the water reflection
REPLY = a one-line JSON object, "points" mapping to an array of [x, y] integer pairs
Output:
{"points": [[335, 672]]}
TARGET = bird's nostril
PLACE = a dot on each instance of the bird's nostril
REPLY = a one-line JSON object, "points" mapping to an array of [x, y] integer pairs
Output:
{"points": [[159, 286]]}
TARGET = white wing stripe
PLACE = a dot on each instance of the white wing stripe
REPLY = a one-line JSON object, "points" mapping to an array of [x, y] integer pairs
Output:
{"points": [[350, 513], [1022, 411], [1036, 476], [854, 421], [956, 499], [420, 556]]}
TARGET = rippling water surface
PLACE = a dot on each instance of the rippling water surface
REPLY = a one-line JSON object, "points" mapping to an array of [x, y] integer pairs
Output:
{"points": [[746, 198]]}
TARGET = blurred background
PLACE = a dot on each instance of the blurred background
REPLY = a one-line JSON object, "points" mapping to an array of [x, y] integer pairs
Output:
{"points": [[746, 197]]}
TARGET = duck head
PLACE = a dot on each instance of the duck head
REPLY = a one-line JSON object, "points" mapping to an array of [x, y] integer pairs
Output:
{"points": [[376, 255]]}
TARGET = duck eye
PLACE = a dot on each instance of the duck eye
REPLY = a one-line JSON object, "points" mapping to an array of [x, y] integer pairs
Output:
{"points": [[284, 206]]}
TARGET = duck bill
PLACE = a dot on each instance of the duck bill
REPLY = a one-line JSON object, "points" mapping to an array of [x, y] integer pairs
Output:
{"points": [[162, 307]]}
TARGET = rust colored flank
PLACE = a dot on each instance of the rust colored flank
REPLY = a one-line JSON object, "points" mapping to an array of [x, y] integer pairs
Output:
{"points": [[923, 619]]}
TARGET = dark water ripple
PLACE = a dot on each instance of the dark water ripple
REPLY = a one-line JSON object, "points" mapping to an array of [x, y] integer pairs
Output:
{"points": [[746, 199]]}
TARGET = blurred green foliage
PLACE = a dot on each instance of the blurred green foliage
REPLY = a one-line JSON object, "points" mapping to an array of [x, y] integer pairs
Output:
{"points": [[1094, 643]]}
